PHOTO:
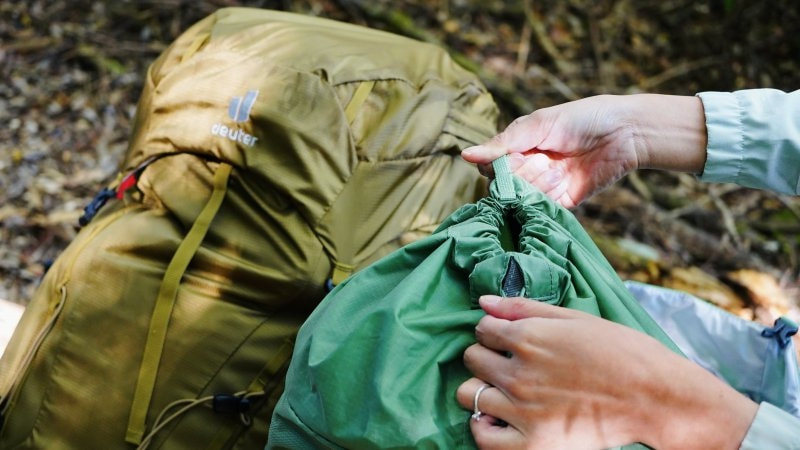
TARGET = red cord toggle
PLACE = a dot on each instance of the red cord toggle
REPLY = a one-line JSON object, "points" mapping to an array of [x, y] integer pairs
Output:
{"points": [[128, 182]]}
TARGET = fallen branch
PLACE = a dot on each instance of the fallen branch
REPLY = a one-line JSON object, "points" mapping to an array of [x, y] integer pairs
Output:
{"points": [[727, 215], [554, 81], [534, 19], [523, 50], [679, 70], [648, 218]]}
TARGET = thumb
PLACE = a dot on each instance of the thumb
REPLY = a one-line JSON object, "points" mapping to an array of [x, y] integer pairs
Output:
{"points": [[515, 308], [484, 153], [525, 133]]}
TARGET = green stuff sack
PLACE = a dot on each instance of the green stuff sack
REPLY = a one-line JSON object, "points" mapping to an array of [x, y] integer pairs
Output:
{"points": [[273, 154], [378, 362]]}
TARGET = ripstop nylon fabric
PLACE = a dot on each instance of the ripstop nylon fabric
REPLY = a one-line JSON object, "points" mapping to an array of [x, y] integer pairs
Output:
{"points": [[378, 362]]}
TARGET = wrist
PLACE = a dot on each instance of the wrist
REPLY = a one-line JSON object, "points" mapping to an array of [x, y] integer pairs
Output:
{"points": [[697, 410], [668, 131]]}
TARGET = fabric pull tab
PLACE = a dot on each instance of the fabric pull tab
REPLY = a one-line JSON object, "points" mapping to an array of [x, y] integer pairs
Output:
{"points": [[503, 178]]}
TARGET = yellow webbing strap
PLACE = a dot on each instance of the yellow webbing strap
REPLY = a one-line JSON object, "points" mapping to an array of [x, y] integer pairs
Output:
{"points": [[194, 46], [162, 310], [343, 270], [273, 366], [359, 96]]}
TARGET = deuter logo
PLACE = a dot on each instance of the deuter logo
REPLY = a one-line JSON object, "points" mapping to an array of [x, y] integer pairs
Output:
{"points": [[238, 110]]}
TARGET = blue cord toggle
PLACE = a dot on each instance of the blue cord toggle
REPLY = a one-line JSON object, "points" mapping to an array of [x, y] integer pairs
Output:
{"points": [[782, 331]]}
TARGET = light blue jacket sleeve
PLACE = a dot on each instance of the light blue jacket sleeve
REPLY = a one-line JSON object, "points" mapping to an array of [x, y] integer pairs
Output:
{"points": [[772, 429], [753, 139]]}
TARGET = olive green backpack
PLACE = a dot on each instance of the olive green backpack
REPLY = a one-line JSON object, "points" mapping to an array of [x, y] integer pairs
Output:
{"points": [[273, 155]]}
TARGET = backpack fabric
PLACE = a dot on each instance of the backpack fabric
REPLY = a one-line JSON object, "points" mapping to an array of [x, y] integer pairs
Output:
{"points": [[378, 362], [273, 155]]}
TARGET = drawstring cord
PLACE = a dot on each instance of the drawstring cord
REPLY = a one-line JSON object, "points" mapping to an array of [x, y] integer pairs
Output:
{"points": [[242, 398]]}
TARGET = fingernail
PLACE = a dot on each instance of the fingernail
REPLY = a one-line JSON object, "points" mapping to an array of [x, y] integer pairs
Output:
{"points": [[470, 151], [489, 300], [554, 177]]}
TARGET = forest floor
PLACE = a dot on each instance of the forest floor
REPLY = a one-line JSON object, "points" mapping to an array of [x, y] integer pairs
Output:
{"points": [[73, 70]]}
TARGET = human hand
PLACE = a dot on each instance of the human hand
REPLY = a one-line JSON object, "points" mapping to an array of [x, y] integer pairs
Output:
{"points": [[573, 380], [573, 150]]}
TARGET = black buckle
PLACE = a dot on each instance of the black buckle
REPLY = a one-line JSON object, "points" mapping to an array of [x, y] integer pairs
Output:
{"points": [[230, 404]]}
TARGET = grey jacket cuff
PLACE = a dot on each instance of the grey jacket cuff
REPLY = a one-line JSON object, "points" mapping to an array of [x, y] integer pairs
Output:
{"points": [[753, 139], [772, 428]]}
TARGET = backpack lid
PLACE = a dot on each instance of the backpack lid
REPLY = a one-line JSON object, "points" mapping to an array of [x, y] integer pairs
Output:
{"points": [[353, 129]]}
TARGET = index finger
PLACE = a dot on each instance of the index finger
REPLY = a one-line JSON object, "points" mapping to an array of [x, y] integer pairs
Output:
{"points": [[506, 336], [515, 308]]}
